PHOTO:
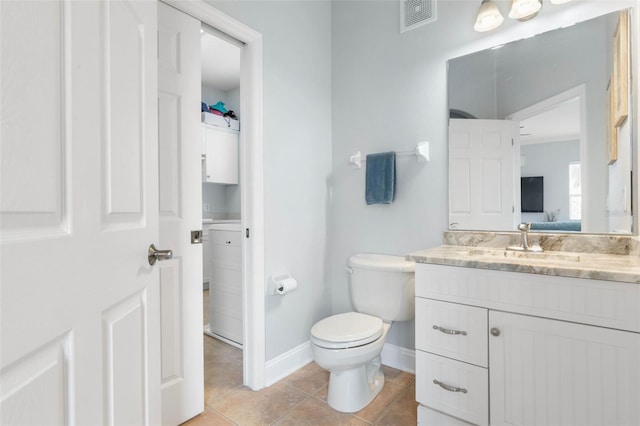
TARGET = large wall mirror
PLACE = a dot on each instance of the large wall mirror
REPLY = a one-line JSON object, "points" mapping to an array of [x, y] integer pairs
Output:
{"points": [[540, 131]]}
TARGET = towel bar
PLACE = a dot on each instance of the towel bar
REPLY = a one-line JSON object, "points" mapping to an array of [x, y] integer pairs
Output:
{"points": [[422, 150]]}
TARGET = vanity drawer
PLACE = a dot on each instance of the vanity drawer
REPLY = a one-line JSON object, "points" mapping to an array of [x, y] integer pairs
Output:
{"points": [[429, 417], [471, 405], [225, 238], [452, 330]]}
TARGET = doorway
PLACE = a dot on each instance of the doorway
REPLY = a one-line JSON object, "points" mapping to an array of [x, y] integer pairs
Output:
{"points": [[251, 174], [221, 186], [552, 142]]}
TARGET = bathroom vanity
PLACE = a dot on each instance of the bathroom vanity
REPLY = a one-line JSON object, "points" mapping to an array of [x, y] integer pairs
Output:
{"points": [[222, 260], [527, 338]]}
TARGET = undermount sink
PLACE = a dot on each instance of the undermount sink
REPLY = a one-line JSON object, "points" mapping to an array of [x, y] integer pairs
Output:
{"points": [[496, 254]]}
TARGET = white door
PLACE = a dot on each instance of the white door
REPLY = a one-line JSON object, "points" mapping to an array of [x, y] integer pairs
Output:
{"points": [[546, 372], [180, 213], [78, 129], [483, 171]]}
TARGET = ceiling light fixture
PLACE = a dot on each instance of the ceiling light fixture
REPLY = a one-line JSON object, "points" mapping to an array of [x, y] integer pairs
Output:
{"points": [[560, 1], [523, 10], [489, 17]]}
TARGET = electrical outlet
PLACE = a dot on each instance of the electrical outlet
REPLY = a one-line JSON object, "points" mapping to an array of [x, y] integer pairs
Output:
{"points": [[206, 207]]}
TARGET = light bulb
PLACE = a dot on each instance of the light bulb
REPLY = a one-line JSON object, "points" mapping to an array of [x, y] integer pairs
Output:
{"points": [[489, 17], [524, 9]]}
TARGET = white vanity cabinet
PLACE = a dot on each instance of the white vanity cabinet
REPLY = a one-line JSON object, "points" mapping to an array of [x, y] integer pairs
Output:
{"points": [[524, 349], [220, 155], [225, 285]]}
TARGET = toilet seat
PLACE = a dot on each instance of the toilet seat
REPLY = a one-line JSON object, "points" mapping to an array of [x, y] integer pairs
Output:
{"points": [[346, 330]]}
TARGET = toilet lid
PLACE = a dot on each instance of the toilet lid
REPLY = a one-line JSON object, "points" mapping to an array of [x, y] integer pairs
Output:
{"points": [[346, 330], [382, 262]]}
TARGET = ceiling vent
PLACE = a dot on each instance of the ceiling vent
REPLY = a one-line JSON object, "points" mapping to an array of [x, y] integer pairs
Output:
{"points": [[415, 13]]}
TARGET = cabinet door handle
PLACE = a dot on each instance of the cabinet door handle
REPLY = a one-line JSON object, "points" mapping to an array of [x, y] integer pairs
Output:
{"points": [[449, 388], [448, 331]]}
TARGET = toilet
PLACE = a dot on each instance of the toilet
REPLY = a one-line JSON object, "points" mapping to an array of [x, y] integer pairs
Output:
{"points": [[348, 345]]}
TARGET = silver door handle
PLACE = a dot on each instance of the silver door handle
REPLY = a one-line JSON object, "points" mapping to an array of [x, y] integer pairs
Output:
{"points": [[448, 331], [155, 255], [449, 388]]}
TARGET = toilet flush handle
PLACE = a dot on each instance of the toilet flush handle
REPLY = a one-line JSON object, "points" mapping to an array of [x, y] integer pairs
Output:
{"points": [[349, 269]]}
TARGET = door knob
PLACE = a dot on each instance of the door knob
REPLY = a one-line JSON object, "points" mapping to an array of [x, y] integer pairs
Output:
{"points": [[155, 255]]}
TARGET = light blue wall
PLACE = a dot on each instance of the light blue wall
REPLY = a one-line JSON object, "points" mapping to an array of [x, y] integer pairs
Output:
{"points": [[297, 158], [231, 98], [339, 77], [389, 92], [555, 169], [471, 83]]}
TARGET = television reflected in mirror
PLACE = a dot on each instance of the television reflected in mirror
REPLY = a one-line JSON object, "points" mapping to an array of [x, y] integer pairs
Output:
{"points": [[541, 107], [532, 194]]}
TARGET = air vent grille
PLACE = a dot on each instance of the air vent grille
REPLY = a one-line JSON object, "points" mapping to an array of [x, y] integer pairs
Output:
{"points": [[415, 13]]}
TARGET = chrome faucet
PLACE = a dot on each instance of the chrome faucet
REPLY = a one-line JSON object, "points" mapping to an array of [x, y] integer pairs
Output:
{"points": [[524, 229]]}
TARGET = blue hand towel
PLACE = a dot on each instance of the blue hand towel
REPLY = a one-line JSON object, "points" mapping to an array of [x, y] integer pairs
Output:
{"points": [[381, 178]]}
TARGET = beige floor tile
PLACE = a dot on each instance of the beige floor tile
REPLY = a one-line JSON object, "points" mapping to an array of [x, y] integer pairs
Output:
{"points": [[313, 412], [220, 378], [310, 378], [205, 306], [322, 393], [208, 418], [246, 407], [404, 411], [217, 351], [288, 402], [397, 377], [372, 412]]}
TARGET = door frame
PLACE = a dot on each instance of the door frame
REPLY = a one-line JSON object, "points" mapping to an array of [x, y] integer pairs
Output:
{"points": [[252, 194], [579, 92]]}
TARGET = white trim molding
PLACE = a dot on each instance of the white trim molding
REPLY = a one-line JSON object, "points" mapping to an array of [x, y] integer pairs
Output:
{"points": [[252, 166], [399, 358], [289, 362]]}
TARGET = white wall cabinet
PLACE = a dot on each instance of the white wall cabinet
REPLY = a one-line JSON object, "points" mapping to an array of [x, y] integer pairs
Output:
{"points": [[220, 155], [520, 349]]}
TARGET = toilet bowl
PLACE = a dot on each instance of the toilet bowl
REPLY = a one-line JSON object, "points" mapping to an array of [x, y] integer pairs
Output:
{"points": [[348, 345]]}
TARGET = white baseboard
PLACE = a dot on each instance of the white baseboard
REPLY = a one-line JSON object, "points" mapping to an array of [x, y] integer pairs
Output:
{"points": [[400, 358], [207, 331], [281, 366]]}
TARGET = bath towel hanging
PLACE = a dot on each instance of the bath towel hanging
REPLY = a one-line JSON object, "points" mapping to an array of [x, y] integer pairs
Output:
{"points": [[380, 178]]}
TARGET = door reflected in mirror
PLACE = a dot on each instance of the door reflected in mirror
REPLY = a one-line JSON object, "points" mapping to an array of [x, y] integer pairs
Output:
{"points": [[540, 107]]}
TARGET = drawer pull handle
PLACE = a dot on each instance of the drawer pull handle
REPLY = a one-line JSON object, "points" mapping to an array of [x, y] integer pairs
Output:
{"points": [[447, 331], [449, 388]]}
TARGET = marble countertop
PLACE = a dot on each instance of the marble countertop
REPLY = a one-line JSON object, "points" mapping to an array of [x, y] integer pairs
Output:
{"points": [[210, 221], [222, 225], [597, 266]]}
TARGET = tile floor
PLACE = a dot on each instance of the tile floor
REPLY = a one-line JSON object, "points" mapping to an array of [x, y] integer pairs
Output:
{"points": [[299, 399]]}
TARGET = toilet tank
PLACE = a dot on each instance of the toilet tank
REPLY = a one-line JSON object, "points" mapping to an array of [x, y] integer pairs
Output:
{"points": [[383, 285]]}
